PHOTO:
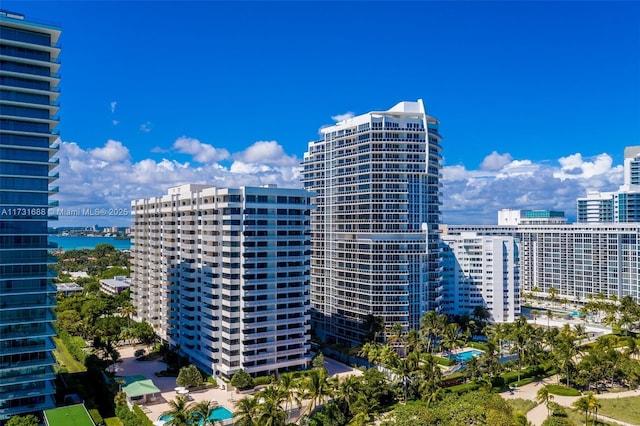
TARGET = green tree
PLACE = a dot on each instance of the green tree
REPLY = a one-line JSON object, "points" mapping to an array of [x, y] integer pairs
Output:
{"points": [[582, 404], [270, 409], [318, 360], [372, 326], [543, 395], [28, 420], [120, 398], [316, 388], [242, 380], [200, 413], [178, 411], [246, 412], [189, 376]]}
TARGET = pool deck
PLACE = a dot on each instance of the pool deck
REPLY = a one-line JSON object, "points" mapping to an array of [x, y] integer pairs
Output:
{"points": [[130, 366], [167, 385]]}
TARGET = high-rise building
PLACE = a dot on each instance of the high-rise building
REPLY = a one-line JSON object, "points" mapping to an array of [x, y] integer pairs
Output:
{"points": [[622, 205], [29, 81], [376, 181], [223, 275], [480, 271], [577, 260]]}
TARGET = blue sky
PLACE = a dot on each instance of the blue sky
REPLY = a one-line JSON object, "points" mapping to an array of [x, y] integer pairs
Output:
{"points": [[537, 100]]}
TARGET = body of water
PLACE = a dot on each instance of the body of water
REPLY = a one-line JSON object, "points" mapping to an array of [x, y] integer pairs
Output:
{"points": [[73, 242]]}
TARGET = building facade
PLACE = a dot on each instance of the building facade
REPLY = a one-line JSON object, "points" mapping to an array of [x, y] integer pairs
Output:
{"points": [[29, 82], [376, 180], [530, 217], [577, 260], [480, 271], [622, 205], [223, 275]]}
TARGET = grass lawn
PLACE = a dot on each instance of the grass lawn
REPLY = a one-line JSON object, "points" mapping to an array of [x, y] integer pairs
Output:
{"points": [[562, 390], [75, 415], [521, 405], [578, 418], [112, 421], [65, 359], [624, 409]]}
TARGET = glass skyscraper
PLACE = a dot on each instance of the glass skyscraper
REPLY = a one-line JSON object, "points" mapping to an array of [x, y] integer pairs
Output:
{"points": [[29, 80]]}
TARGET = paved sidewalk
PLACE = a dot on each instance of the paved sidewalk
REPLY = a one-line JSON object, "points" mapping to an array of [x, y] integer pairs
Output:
{"points": [[538, 414]]}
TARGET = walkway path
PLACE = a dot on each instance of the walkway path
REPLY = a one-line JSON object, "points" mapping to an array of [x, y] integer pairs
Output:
{"points": [[538, 414]]}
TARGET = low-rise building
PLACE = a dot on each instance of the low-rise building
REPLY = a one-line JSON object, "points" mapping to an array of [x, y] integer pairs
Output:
{"points": [[115, 286]]}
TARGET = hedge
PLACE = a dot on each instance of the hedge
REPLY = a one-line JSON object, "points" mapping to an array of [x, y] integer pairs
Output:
{"points": [[478, 345], [132, 418], [74, 344], [525, 381], [95, 415], [261, 380], [563, 390], [467, 387], [444, 361]]}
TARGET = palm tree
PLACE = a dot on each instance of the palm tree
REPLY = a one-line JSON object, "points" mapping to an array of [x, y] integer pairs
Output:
{"points": [[178, 412], [543, 395], [128, 310], [316, 388], [200, 413], [549, 314], [452, 337], [246, 413], [588, 404], [520, 336], [633, 349], [594, 405], [566, 351], [582, 404], [473, 367], [348, 389], [428, 328], [287, 384], [270, 409]]}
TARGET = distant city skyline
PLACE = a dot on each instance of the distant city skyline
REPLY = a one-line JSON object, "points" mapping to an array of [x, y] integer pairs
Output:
{"points": [[536, 100]]}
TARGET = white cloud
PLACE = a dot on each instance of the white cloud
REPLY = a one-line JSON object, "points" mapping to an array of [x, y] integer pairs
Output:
{"points": [[106, 177], [115, 122], [341, 117], [266, 152], [495, 161], [475, 196], [113, 106], [145, 127], [575, 167], [201, 152], [113, 151], [159, 149]]}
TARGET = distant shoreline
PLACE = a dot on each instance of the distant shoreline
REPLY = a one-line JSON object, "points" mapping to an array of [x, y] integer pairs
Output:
{"points": [[66, 243]]}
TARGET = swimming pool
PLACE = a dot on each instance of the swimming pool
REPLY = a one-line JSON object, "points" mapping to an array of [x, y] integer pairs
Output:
{"points": [[465, 355], [217, 414]]}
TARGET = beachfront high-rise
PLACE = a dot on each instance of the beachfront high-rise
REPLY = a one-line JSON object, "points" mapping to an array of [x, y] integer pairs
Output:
{"points": [[374, 234], [480, 272], [622, 205], [223, 275], [28, 106]]}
